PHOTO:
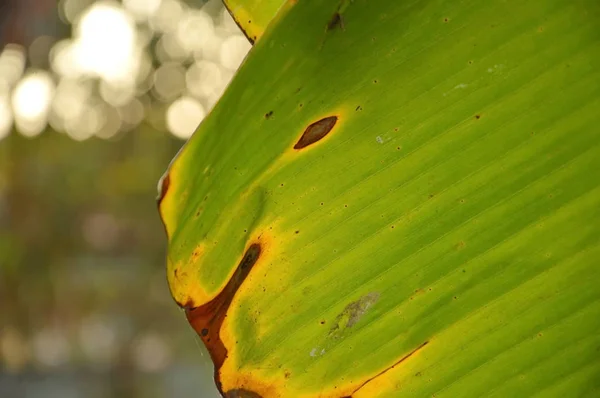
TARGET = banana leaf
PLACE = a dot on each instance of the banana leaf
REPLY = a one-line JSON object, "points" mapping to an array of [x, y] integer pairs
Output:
{"points": [[399, 199]]}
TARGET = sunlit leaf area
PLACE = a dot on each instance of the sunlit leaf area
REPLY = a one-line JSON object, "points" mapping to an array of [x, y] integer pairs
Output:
{"points": [[96, 97]]}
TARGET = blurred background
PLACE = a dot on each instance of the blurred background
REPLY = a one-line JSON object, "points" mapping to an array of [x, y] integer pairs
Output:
{"points": [[96, 97]]}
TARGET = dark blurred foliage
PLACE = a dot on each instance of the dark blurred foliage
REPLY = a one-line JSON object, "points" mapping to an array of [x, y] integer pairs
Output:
{"points": [[82, 251], [76, 214]]}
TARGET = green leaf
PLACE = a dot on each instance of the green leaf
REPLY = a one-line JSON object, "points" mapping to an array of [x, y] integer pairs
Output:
{"points": [[399, 198], [253, 16]]}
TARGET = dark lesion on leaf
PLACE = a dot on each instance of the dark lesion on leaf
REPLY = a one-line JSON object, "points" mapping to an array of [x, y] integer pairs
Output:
{"points": [[241, 393], [316, 132], [250, 257], [336, 21], [208, 318]]}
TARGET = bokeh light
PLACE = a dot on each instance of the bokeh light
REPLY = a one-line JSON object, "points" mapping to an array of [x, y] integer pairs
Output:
{"points": [[31, 101], [142, 9], [125, 63], [233, 51], [105, 43], [183, 116], [12, 63]]}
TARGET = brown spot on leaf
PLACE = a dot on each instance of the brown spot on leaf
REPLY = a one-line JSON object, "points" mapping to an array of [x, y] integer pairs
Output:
{"points": [[477, 117], [316, 132], [268, 115], [195, 254], [241, 393], [188, 305], [336, 21], [208, 318]]}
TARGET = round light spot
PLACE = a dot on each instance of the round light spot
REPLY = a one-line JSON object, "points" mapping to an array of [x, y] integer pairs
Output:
{"points": [[106, 43], [183, 116], [204, 78], [167, 16], [233, 51], [31, 102], [91, 119], [12, 63], [169, 81], [194, 30], [117, 95], [142, 9], [70, 99]]}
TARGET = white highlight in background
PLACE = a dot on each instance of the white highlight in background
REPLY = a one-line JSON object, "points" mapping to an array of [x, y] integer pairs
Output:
{"points": [[31, 101], [12, 63], [142, 9], [106, 43], [183, 116]]}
